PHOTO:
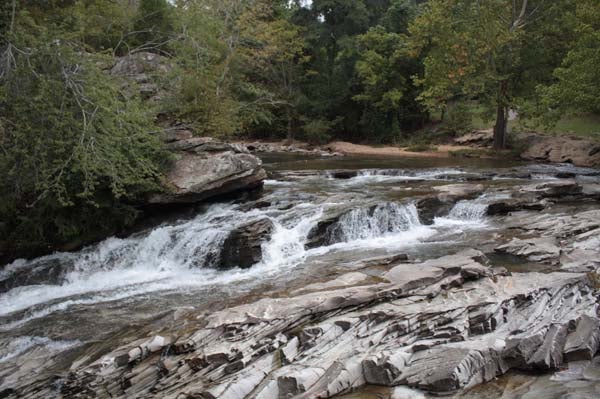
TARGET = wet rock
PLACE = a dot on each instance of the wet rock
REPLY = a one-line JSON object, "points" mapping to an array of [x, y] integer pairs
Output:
{"points": [[427, 327], [319, 235], [243, 247], [456, 192], [508, 205], [432, 207], [47, 270], [343, 174]]}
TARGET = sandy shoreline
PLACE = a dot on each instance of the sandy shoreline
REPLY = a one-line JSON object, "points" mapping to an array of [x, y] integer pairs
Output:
{"points": [[343, 147]]}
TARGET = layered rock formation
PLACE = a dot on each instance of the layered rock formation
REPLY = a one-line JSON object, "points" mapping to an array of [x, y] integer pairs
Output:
{"points": [[206, 168], [441, 325]]}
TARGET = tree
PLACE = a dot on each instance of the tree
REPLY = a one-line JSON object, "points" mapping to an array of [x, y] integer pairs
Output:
{"points": [[273, 57], [486, 51], [76, 153], [383, 69], [153, 25], [577, 80]]}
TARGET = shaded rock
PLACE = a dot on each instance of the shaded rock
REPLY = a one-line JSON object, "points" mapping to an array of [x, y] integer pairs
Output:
{"points": [[508, 205], [243, 246], [432, 207], [555, 189], [46, 270], [343, 174], [319, 235], [176, 134]]}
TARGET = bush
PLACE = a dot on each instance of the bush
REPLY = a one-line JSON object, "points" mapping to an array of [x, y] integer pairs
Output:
{"points": [[458, 120], [76, 166], [317, 131]]}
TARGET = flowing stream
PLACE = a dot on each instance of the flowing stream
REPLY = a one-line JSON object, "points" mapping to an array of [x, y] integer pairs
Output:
{"points": [[58, 307]]}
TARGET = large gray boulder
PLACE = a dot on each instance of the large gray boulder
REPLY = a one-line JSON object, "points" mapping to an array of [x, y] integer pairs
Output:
{"points": [[206, 168]]}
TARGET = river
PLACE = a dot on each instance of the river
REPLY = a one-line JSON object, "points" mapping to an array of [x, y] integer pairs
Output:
{"points": [[160, 278]]}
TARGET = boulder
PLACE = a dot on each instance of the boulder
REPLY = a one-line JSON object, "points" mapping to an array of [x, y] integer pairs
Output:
{"points": [[206, 168], [243, 246], [562, 149], [51, 269], [432, 207], [556, 189]]}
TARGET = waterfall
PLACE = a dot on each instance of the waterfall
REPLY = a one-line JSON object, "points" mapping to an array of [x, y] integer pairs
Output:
{"points": [[377, 221], [468, 211]]}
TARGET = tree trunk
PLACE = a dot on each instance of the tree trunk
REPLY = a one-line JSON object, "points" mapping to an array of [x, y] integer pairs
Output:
{"points": [[500, 128], [290, 131]]}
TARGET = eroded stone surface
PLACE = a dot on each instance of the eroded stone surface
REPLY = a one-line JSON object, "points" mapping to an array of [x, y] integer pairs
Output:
{"points": [[442, 325]]}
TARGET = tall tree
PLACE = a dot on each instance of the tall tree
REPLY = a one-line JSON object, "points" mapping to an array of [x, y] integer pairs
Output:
{"points": [[273, 55], [483, 50]]}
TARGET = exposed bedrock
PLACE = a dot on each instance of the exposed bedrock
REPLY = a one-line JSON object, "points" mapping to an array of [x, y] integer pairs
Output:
{"points": [[562, 149], [440, 326], [570, 241]]}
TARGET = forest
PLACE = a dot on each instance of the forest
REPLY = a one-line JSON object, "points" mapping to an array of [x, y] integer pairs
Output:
{"points": [[80, 146]]}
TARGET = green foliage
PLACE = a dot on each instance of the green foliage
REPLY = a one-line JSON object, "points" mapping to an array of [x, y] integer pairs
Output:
{"points": [[318, 131], [153, 25], [422, 147], [75, 152], [489, 51], [458, 120], [577, 80]]}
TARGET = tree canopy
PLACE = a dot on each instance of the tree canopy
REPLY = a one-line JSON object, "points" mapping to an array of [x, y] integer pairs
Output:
{"points": [[79, 144]]}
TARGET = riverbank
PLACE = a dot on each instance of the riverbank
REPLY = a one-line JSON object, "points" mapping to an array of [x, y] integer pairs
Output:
{"points": [[478, 144]]}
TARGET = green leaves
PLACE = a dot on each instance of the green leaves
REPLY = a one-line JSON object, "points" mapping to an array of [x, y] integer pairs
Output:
{"points": [[74, 149]]}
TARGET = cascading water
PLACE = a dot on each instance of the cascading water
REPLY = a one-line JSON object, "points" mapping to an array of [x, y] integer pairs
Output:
{"points": [[469, 211], [377, 221]]}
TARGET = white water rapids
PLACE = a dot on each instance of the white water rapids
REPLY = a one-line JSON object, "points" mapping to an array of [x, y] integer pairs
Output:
{"points": [[181, 257]]}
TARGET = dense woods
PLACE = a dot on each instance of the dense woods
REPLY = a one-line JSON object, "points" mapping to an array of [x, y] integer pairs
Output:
{"points": [[80, 146]]}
